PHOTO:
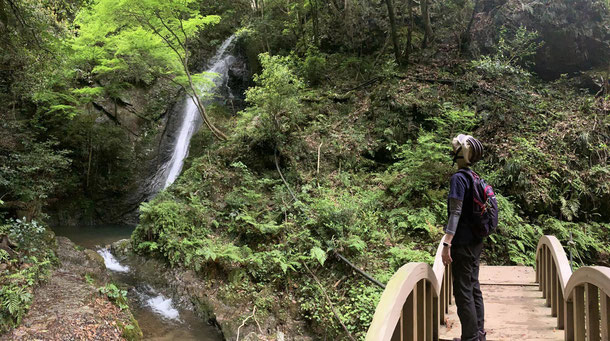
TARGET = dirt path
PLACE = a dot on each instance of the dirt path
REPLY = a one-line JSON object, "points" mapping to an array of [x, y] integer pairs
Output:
{"points": [[66, 307]]}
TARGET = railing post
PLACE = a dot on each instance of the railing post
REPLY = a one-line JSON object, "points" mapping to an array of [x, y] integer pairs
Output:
{"points": [[592, 307], [605, 318], [548, 280], [448, 290], [430, 320], [450, 283], [579, 313], [569, 319], [441, 307], [541, 262], [560, 310], [421, 310], [410, 317], [537, 271], [437, 318], [554, 293]]}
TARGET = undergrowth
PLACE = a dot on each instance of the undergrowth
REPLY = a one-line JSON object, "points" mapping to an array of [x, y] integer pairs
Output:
{"points": [[28, 263], [312, 170]]}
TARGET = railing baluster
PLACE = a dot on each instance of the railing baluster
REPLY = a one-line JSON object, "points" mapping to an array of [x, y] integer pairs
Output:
{"points": [[542, 284], [430, 320], [448, 290], [592, 307], [410, 320], [437, 318], [421, 311], [441, 307], [579, 313], [569, 320], [560, 310], [554, 289], [605, 318], [537, 271], [450, 284], [547, 284]]}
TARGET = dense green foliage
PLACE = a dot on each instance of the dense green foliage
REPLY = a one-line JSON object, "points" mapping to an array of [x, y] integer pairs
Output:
{"points": [[116, 295], [22, 271], [378, 194], [342, 147]]}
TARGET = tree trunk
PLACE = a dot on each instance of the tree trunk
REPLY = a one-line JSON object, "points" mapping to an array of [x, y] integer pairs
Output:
{"points": [[393, 29], [428, 35], [410, 30], [7, 245], [465, 36], [314, 16]]}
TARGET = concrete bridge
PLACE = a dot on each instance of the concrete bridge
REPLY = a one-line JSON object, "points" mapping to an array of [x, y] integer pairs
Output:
{"points": [[549, 302]]}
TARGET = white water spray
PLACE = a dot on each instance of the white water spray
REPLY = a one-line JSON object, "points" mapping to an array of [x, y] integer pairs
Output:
{"points": [[191, 121], [163, 306], [111, 262]]}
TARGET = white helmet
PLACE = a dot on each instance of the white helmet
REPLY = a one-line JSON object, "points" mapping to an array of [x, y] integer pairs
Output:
{"points": [[471, 148]]}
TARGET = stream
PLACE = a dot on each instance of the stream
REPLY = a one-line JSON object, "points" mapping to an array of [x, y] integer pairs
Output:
{"points": [[160, 318]]}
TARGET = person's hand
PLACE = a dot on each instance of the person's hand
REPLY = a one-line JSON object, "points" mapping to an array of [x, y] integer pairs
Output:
{"points": [[446, 255]]}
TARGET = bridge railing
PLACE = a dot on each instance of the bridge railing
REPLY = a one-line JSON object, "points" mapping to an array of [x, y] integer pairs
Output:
{"points": [[552, 274], [579, 300], [588, 304], [414, 303]]}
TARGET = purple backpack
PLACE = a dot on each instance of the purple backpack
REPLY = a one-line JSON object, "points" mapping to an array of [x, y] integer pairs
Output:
{"points": [[484, 206]]}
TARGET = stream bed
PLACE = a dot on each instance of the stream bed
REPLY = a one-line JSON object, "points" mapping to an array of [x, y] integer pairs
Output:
{"points": [[157, 314]]}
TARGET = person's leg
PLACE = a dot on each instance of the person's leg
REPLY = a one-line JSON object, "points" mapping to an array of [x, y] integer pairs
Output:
{"points": [[476, 290], [462, 266]]}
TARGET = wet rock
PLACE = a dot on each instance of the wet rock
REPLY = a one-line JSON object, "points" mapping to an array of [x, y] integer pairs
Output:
{"points": [[95, 258]]}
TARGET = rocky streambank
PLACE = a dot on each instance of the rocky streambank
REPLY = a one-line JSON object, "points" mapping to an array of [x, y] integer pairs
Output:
{"points": [[237, 320], [69, 306]]}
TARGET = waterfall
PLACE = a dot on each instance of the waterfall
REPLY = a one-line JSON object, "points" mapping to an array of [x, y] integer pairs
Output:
{"points": [[111, 262], [191, 120]]}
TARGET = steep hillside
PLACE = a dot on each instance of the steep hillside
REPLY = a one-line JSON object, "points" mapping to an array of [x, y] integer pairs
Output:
{"points": [[358, 164]]}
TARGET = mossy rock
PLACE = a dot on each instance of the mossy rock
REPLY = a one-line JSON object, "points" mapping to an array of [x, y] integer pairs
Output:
{"points": [[95, 258], [122, 247], [131, 331]]}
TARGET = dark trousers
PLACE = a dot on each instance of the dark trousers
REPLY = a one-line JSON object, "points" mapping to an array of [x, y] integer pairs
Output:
{"points": [[466, 289]]}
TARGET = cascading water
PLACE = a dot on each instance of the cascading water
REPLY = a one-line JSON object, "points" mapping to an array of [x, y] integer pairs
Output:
{"points": [[111, 262], [191, 121]]}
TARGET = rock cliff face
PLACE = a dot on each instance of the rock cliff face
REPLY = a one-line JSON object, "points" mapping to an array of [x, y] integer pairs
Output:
{"points": [[229, 95], [576, 33], [149, 118]]}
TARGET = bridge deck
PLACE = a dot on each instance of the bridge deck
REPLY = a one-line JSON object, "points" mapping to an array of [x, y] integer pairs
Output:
{"points": [[514, 308]]}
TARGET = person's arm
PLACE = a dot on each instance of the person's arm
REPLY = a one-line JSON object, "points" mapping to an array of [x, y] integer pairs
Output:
{"points": [[456, 196], [455, 211]]}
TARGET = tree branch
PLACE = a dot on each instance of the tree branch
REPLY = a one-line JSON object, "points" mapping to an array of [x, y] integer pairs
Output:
{"points": [[330, 303]]}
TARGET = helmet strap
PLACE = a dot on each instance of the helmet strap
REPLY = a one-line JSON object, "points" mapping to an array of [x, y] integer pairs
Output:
{"points": [[456, 156]]}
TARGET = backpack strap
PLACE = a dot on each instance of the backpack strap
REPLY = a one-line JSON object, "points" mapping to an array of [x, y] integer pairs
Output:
{"points": [[468, 172], [471, 176]]}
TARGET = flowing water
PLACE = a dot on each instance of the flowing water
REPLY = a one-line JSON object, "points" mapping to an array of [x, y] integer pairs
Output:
{"points": [[159, 317], [218, 65]]}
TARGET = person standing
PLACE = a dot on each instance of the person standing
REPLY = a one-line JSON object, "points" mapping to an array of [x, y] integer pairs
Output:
{"points": [[461, 247]]}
